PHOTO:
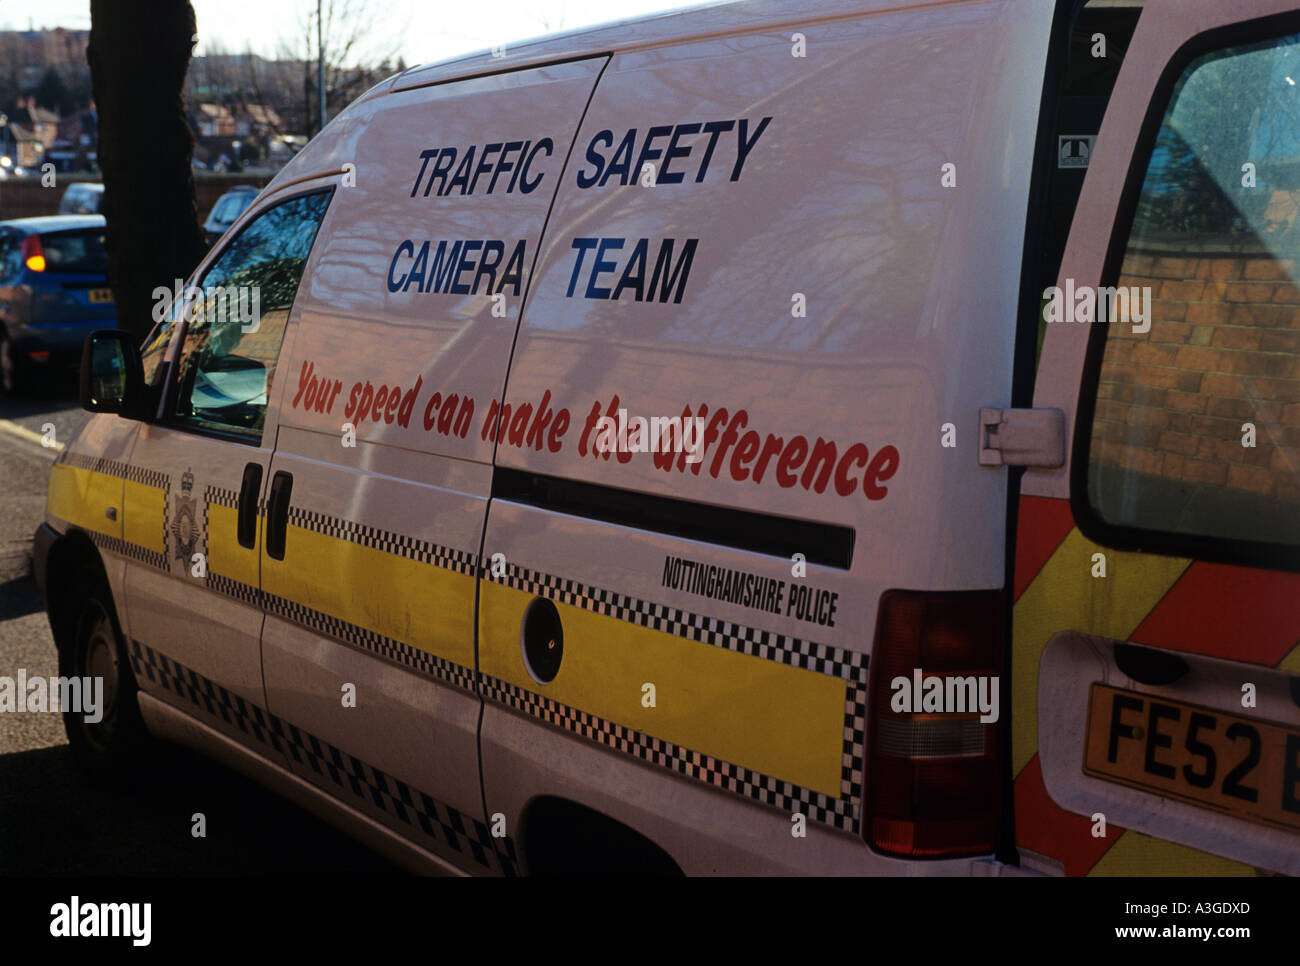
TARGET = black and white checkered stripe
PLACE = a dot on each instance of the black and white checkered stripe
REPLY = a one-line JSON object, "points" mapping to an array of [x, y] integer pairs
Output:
{"points": [[127, 471], [437, 820], [212, 699], [219, 582], [854, 768], [165, 562], [426, 816], [398, 544], [132, 551], [844, 812], [154, 478], [221, 497], [396, 651], [237, 589], [768, 645]]}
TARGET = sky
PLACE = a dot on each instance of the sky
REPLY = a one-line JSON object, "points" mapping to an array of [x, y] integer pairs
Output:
{"points": [[421, 31]]}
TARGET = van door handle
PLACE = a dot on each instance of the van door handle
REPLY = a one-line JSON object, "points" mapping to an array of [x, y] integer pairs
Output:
{"points": [[249, 491], [277, 514]]}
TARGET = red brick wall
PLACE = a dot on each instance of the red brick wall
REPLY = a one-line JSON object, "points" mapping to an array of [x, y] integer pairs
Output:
{"points": [[1223, 349]]}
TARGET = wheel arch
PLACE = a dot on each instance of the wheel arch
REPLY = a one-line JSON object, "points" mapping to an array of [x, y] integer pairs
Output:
{"points": [[74, 565], [559, 837]]}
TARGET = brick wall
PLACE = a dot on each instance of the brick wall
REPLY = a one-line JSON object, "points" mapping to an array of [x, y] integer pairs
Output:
{"points": [[1223, 349]]}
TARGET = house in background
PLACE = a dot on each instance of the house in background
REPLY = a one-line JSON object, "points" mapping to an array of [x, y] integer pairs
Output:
{"points": [[30, 130]]}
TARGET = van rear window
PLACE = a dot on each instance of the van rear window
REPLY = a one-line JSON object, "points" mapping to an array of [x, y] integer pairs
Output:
{"points": [[1197, 424], [76, 252]]}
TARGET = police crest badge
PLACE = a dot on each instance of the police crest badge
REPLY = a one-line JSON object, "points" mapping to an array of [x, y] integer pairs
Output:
{"points": [[184, 527]]}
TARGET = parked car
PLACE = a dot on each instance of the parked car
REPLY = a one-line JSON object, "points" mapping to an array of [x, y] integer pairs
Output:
{"points": [[228, 208], [82, 198], [53, 293]]}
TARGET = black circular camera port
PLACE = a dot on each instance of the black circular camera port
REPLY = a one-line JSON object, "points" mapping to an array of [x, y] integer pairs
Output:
{"points": [[543, 640]]}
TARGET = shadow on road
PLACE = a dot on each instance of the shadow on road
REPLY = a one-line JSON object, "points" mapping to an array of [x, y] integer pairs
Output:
{"points": [[52, 395], [54, 821], [19, 597]]}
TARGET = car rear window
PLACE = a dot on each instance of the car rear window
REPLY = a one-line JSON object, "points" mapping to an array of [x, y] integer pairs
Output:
{"points": [[75, 252], [80, 200]]}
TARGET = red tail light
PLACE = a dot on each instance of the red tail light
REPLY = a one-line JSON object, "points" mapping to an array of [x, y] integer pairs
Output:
{"points": [[33, 254], [935, 769]]}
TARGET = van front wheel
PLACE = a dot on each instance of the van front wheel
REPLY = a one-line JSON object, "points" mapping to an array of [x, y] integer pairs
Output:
{"points": [[105, 729]]}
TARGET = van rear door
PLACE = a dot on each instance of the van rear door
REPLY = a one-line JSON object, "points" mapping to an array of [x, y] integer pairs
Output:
{"points": [[1156, 727]]}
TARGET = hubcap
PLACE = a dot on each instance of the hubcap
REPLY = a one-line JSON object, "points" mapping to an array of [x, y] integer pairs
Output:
{"points": [[100, 660]]}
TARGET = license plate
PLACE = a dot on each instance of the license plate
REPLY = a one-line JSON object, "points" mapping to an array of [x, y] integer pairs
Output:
{"points": [[1239, 766], [98, 296]]}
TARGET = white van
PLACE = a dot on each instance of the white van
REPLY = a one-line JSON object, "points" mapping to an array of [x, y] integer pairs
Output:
{"points": [[681, 446]]}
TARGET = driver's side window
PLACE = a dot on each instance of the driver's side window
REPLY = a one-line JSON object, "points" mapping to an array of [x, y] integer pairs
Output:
{"points": [[238, 317]]}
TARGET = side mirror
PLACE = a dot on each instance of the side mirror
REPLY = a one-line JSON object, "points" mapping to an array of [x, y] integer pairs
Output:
{"points": [[112, 376]]}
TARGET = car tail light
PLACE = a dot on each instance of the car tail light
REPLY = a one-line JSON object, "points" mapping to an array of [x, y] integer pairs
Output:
{"points": [[33, 254], [935, 769]]}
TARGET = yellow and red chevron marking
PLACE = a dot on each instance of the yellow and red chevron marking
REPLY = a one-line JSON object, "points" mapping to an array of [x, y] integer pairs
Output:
{"points": [[1236, 613]]}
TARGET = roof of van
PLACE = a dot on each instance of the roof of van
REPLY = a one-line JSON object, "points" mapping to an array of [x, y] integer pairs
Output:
{"points": [[708, 20]]}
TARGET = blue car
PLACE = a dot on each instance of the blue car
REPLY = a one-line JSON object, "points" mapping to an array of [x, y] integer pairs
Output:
{"points": [[53, 293]]}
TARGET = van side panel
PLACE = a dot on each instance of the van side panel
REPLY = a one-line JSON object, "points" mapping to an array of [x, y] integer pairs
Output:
{"points": [[810, 240]]}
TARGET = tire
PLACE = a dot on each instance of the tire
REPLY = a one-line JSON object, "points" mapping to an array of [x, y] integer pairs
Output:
{"points": [[111, 749], [13, 379]]}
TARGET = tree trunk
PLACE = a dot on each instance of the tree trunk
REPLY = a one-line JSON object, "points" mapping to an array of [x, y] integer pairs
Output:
{"points": [[139, 53]]}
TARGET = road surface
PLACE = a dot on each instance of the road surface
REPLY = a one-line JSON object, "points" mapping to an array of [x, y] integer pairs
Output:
{"points": [[52, 821]]}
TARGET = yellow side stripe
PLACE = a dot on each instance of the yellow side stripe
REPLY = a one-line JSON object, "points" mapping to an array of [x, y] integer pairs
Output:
{"points": [[225, 555], [142, 513], [773, 718], [420, 604], [82, 497]]}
